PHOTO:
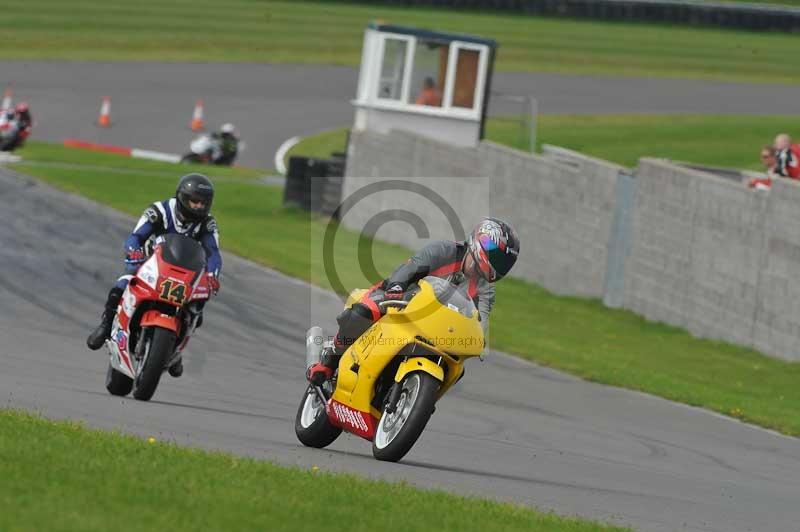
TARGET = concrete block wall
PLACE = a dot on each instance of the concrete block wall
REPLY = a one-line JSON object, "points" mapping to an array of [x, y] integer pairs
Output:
{"points": [[377, 158], [564, 213], [777, 320], [674, 244], [696, 245], [726, 250]]}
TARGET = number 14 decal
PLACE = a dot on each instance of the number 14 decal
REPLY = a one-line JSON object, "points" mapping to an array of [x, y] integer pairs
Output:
{"points": [[173, 292]]}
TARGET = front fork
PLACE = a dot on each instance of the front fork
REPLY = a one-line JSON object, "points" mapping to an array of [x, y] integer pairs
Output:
{"points": [[320, 393], [394, 396], [407, 366], [192, 314]]}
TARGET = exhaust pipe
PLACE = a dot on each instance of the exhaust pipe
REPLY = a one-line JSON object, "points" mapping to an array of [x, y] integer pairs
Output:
{"points": [[314, 343]]}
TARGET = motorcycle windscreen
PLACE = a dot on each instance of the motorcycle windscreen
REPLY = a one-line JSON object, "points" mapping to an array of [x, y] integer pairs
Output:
{"points": [[183, 252], [452, 296], [445, 317]]}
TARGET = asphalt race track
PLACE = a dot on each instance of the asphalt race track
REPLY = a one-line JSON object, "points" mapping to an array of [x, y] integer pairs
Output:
{"points": [[152, 103], [511, 430]]}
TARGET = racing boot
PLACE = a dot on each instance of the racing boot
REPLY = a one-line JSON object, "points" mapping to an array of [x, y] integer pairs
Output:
{"points": [[323, 370], [176, 369], [98, 337]]}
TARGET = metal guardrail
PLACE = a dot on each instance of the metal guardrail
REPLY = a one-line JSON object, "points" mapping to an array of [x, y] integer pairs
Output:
{"points": [[734, 15], [521, 108]]}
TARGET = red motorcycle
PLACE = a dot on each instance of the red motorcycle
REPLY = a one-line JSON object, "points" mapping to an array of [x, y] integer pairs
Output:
{"points": [[156, 316], [12, 132]]}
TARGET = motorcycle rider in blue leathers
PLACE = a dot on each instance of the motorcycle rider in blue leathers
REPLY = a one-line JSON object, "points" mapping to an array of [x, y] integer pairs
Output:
{"points": [[188, 213]]}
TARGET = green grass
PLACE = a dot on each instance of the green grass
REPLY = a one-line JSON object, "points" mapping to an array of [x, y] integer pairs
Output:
{"points": [[58, 476], [770, 2], [718, 140], [576, 335], [321, 144], [252, 221], [715, 140], [45, 153], [309, 32]]}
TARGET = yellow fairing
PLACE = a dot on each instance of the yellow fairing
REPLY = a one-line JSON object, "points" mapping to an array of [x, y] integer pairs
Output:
{"points": [[444, 328], [419, 364], [440, 338]]}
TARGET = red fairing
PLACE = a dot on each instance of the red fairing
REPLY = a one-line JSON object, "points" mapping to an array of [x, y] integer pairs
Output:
{"points": [[174, 284], [122, 335], [353, 421], [168, 272], [154, 318], [202, 290], [141, 291]]}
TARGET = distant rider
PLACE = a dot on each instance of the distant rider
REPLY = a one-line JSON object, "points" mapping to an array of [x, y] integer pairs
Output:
{"points": [[188, 213], [484, 258], [22, 112], [22, 115], [16, 123], [228, 145]]}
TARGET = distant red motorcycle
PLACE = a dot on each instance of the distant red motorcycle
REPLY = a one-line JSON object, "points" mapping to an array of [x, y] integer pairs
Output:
{"points": [[14, 129], [156, 316], [12, 136]]}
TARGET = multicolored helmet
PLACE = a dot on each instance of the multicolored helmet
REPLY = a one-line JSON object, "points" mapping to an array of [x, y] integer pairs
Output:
{"points": [[494, 246]]}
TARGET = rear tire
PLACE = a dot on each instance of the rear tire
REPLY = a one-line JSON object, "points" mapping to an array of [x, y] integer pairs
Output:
{"points": [[311, 424], [414, 409], [118, 383], [162, 343]]}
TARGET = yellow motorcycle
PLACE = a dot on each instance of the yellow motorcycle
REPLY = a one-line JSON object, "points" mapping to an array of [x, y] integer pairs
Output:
{"points": [[389, 380]]}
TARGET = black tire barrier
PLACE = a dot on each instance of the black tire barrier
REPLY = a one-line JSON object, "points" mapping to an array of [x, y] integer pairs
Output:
{"points": [[315, 184], [690, 13]]}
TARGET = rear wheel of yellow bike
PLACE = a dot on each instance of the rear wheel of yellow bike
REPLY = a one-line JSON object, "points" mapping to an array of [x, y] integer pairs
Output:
{"points": [[397, 432], [311, 424]]}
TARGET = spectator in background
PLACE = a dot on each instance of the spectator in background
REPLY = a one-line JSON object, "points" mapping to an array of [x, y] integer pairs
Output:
{"points": [[429, 95], [788, 157], [770, 162]]}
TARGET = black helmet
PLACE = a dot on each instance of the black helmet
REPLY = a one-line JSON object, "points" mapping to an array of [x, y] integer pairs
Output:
{"points": [[494, 246], [195, 188]]}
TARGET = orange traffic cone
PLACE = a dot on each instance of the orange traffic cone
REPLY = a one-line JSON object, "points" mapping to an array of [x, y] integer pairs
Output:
{"points": [[104, 120], [6, 99], [197, 123]]}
